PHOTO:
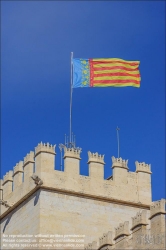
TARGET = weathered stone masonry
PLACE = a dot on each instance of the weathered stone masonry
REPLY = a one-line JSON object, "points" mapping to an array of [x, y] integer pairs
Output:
{"points": [[37, 199]]}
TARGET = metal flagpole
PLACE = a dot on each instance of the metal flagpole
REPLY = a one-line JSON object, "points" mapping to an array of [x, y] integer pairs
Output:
{"points": [[117, 129], [71, 92]]}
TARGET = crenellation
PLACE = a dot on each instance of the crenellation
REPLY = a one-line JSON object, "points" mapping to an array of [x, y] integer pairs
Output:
{"points": [[143, 167], [122, 230], [44, 158], [7, 184], [8, 177], [120, 170], [45, 147], [143, 171], [72, 161], [158, 207], [119, 162], [18, 174], [72, 153], [158, 222], [96, 165], [149, 235], [28, 166], [29, 158], [106, 239], [18, 168], [117, 188], [139, 219], [95, 157]]}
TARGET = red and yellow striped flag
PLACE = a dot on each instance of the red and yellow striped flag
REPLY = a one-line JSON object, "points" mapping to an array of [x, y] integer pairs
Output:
{"points": [[110, 72]]}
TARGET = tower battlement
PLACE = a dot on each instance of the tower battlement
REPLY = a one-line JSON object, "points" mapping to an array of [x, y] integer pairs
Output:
{"points": [[106, 239], [158, 207], [95, 157], [119, 162], [122, 229], [143, 167], [72, 153], [139, 219], [126, 237], [41, 162], [8, 177], [45, 148], [29, 158], [18, 168]]}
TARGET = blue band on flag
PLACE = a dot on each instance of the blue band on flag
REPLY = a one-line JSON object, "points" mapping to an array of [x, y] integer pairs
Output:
{"points": [[81, 73]]}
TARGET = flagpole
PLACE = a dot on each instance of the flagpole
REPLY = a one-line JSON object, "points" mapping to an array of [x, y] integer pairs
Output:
{"points": [[117, 129], [71, 92]]}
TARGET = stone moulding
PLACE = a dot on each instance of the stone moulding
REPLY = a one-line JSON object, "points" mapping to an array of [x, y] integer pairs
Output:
{"points": [[18, 168], [122, 229], [143, 167], [29, 158], [119, 162], [73, 193], [8, 177], [45, 148], [95, 157], [72, 153], [158, 207], [139, 219]]}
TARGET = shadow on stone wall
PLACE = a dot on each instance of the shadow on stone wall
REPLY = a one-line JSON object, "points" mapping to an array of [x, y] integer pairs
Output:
{"points": [[36, 198], [7, 222]]}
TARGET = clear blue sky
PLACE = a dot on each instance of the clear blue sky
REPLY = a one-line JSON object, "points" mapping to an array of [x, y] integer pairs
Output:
{"points": [[37, 38]]}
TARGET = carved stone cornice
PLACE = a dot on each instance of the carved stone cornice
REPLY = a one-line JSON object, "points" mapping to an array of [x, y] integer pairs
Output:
{"points": [[78, 194]]}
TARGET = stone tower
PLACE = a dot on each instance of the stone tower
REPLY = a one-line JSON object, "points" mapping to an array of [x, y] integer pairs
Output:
{"points": [[43, 208]]}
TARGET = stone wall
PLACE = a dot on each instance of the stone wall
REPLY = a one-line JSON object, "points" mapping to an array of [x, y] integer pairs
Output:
{"points": [[23, 220], [66, 214]]}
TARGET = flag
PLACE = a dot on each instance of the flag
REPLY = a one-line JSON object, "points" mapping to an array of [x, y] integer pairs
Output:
{"points": [[105, 72]]}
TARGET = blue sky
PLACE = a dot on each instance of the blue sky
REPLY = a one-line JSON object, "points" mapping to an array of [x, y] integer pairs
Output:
{"points": [[36, 41]]}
